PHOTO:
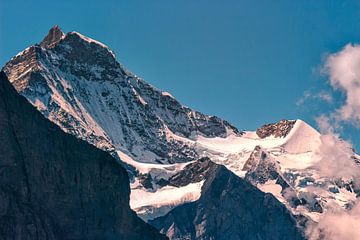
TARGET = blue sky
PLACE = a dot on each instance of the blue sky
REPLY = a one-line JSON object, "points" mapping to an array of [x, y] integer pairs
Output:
{"points": [[249, 62]]}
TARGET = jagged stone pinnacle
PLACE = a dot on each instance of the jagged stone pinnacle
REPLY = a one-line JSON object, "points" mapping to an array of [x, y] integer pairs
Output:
{"points": [[53, 37]]}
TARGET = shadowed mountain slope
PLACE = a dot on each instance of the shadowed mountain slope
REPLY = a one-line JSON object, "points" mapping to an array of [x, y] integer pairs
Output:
{"points": [[54, 186]]}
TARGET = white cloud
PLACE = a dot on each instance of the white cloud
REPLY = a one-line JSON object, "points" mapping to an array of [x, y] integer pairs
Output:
{"points": [[334, 158], [343, 69], [324, 124], [329, 124], [337, 224]]}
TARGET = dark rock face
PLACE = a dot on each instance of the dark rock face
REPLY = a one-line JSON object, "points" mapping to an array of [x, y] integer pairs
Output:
{"points": [[54, 186], [229, 208], [279, 129], [192, 173]]}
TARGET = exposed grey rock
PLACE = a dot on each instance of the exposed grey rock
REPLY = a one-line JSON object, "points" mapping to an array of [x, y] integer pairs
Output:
{"points": [[192, 173], [54, 186], [260, 168], [279, 129], [229, 208]]}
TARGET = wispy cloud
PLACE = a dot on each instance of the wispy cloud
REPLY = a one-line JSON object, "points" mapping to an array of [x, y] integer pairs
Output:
{"points": [[343, 69], [337, 224], [324, 124], [334, 159], [322, 96], [334, 155]]}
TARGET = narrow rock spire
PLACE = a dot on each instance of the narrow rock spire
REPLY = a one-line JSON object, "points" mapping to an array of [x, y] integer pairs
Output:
{"points": [[54, 36]]}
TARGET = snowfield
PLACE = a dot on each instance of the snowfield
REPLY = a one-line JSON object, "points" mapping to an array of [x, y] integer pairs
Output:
{"points": [[295, 155], [150, 205]]}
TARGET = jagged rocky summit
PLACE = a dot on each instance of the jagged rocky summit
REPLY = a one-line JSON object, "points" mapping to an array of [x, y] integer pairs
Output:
{"points": [[54, 186], [77, 83], [279, 129]]}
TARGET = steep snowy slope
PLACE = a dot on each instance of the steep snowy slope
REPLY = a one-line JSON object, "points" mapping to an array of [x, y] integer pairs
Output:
{"points": [[77, 83], [298, 144]]}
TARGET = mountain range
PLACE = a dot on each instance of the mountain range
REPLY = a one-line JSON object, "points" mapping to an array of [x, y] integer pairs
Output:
{"points": [[191, 175]]}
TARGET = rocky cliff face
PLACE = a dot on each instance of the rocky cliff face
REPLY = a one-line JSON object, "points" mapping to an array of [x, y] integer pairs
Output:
{"points": [[54, 186], [229, 208]]}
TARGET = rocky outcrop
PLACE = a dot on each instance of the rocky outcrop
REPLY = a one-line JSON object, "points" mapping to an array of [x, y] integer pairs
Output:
{"points": [[54, 36], [192, 173], [229, 208], [261, 167], [279, 129], [54, 186]]}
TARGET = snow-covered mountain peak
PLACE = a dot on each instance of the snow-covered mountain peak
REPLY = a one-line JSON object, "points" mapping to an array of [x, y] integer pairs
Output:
{"points": [[295, 136], [85, 57], [78, 84], [73, 39], [92, 41]]}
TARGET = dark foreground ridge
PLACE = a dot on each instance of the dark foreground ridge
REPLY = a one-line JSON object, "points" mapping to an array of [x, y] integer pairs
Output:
{"points": [[54, 186], [229, 208]]}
